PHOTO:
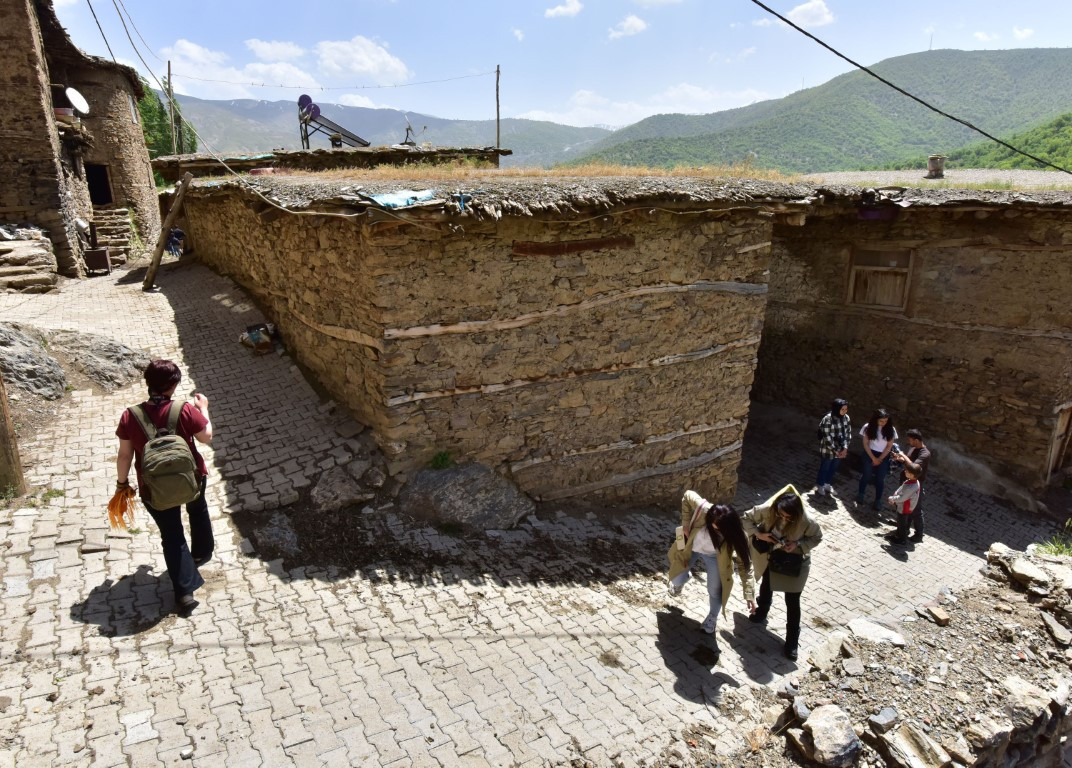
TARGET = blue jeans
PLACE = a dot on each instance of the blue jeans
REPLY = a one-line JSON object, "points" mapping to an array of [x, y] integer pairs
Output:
{"points": [[877, 474], [181, 567], [714, 581], [827, 470]]}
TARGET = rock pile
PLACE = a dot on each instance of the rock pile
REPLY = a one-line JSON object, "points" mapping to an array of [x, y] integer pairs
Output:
{"points": [[980, 679], [27, 263]]}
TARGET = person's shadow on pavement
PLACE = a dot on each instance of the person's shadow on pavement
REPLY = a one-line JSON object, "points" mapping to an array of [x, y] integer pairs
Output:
{"points": [[691, 654], [125, 607]]}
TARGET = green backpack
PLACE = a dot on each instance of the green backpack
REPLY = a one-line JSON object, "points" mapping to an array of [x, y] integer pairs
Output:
{"points": [[168, 469]]}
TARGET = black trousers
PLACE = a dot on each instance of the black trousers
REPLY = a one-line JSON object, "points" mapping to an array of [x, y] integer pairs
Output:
{"points": [[792, 609], [180, 558]]}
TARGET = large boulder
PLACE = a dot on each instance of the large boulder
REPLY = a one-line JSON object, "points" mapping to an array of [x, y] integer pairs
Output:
{"points": [[105, 362], [471, 495], [338, 489], [27, 366], [833, 741]]}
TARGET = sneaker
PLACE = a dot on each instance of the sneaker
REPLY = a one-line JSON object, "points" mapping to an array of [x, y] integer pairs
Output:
{"points": [[709, 625], [673, 589], [829, 492]]}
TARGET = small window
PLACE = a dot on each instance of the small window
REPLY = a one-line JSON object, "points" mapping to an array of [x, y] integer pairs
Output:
{"points": [[134, 114], [879, 278]]}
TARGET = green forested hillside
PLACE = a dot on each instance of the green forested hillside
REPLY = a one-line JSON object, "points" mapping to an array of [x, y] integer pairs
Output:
{"points": [[854, 121], [1052, 142]]}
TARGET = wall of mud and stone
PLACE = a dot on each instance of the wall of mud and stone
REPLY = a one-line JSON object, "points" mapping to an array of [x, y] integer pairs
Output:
{"points": [[37, 188], [982, 353], [119, 143], [607, 358]]}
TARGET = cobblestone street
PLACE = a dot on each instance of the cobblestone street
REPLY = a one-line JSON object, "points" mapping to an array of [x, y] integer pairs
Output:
{"points": [[529, 647]]}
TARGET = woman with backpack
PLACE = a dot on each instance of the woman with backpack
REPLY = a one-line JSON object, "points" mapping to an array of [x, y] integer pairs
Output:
{"points": [[160, 436], [835, 431]]}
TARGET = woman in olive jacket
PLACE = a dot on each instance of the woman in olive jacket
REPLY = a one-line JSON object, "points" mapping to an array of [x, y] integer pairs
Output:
{"points": [[711, 533], [784, 524]]}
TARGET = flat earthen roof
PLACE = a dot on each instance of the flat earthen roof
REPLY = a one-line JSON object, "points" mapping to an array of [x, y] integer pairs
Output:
{"points": [[502, 194]]}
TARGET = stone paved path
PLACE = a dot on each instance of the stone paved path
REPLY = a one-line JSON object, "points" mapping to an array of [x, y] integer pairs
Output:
{"points": [[526, 648]]}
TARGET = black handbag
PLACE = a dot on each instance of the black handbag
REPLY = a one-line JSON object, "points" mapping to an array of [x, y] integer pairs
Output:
{"points": [[759, 545], [786, 563]]}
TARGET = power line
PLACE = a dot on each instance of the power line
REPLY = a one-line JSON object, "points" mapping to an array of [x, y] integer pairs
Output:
{"points": [[333, 87], [909, 95], [106, 44], [138, 31]]}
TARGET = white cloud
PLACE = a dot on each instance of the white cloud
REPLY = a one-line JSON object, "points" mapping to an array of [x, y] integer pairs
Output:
{"points": [[275, 50], [655, 3], [520, 35], [590, 108], [984, 37], [357, 100], [191, 61], [813, 13], [762, 23], [1022, 34], [361, 58], [630, 25], [930, 29], [568, 8], [746, 53]]}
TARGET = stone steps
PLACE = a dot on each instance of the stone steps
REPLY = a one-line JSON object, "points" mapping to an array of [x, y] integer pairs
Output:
{"points": [[113, 231], [27, 266]]}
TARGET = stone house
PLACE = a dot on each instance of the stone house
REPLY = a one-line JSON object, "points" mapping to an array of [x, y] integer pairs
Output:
{"points": [[599, 338], [59, 167], [949, 308]]}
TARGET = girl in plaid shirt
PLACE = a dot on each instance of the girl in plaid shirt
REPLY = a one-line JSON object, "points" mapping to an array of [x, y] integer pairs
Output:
{"points": [[835, 431]]}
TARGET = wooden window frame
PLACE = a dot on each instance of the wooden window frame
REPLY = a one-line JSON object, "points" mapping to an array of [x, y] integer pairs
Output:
{"points": [[854, 270]]}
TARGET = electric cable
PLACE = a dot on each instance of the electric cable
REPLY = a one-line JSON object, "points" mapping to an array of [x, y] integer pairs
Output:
{"points": [[334, 87], [138, 31], [106, 43], [909, 95]]}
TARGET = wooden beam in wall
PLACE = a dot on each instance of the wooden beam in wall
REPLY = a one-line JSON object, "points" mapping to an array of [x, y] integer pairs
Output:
{"points": [[642, 474], [483, 326], [562, 247]]}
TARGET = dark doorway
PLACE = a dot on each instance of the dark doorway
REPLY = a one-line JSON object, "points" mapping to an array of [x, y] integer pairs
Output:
{"points": [[100, 187]]}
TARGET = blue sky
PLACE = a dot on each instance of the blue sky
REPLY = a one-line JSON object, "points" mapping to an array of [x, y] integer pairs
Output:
{"points": [[580, 62]]}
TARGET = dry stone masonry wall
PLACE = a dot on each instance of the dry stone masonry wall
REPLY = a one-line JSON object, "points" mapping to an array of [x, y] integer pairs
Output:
{"points": [[981, 354], [608, 357]]}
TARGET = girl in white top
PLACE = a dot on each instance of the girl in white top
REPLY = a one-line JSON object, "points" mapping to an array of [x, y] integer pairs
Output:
{"points": [[878, 436]]}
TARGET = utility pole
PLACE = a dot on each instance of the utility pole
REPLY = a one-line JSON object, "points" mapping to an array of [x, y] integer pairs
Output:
{"points": [[165, 230], [497, 145], [171, 108]]}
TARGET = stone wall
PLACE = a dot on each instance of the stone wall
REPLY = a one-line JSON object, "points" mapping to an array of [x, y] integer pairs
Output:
{"points": [[980, 356], [119, 143], [36, 188], [605, 358]]}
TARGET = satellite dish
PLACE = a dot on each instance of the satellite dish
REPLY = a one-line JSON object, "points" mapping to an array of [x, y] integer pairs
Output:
{"points": [[304, 101], [78, 101], [313, 111]]}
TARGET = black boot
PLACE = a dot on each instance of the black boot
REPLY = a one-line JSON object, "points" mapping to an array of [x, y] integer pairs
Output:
{"points": [[759, 616]]}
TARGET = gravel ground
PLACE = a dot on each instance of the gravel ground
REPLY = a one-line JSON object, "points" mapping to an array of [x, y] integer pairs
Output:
{"points": [[955, 177]]}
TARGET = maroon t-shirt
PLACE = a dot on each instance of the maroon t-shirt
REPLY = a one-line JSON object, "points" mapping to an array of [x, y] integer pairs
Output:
{"points": [[191, 421]]}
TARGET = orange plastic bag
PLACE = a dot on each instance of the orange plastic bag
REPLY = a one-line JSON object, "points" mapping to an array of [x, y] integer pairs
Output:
{"points": [[121, 509]]}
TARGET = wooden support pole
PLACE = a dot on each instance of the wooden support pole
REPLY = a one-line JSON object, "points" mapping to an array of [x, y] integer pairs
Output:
{"points": [[165, 228], [11, 479], [497, 145]]}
